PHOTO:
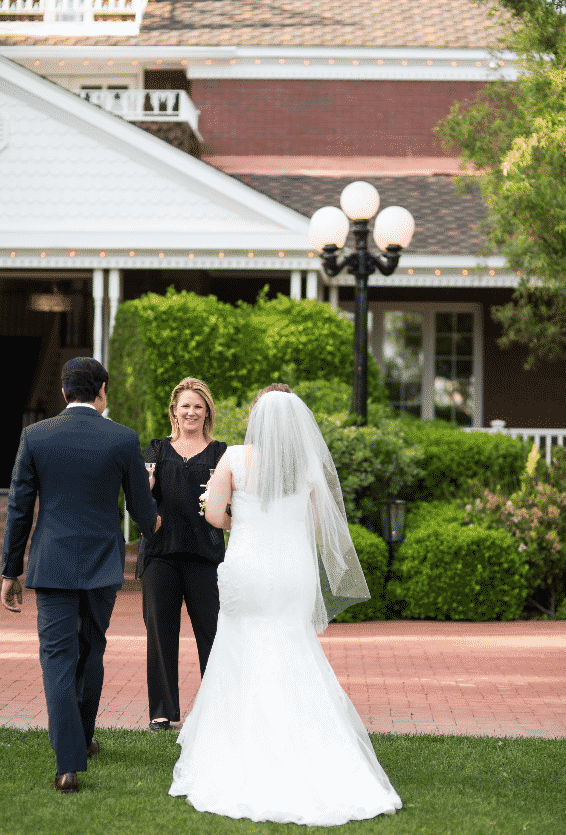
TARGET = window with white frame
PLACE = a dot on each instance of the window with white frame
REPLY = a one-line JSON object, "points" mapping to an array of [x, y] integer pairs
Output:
{"points": [[431, 358]]}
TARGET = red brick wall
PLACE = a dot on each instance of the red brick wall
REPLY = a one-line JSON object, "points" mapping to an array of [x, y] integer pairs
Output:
{"points": [[326, 118]]}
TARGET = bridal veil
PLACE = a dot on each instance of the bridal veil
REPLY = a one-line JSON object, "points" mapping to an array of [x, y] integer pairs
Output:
{"points": [[285, 453]]}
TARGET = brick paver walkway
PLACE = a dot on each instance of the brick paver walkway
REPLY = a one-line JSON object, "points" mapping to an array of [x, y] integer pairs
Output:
{"points": [[495, 679]]}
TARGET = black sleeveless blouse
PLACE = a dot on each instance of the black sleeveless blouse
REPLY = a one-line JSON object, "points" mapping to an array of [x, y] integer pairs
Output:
{"points": [[178, 485]]}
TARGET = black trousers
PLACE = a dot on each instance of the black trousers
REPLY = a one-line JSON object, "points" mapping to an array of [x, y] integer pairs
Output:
{"points": [[165, 583], [72, 628]]}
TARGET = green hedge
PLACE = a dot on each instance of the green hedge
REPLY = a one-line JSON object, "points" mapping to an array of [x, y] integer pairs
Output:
{"points": [[363, 456], [452, 458], [423, 514], [373, 554], [449, 572], [158, 340]]}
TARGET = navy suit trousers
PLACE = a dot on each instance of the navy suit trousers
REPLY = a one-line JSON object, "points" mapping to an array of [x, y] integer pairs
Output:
{"points": [[72, 626]]}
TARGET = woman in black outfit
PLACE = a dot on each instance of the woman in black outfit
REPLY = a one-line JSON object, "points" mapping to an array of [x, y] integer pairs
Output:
{"points": [[180, 561]]}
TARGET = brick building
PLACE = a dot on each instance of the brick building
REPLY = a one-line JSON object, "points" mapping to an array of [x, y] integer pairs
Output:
{"points": [[198, 141]]}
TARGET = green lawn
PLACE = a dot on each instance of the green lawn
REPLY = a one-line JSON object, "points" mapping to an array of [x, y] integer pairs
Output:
{"points": [[449, 786]]}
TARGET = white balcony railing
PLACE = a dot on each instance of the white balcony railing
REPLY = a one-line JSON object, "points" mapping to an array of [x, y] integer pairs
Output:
{"points": [[545, 439], [146, 105], [46, 16]]}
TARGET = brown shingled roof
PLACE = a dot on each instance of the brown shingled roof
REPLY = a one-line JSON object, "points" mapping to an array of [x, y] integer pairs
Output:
{"points": [[359, 23], [446, 222]]}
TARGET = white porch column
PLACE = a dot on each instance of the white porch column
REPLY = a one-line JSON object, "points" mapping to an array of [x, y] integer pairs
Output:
{"points": [[333, 297], [115, 294], [114, 288], [98, 298], [296, 290], [312, 284]]}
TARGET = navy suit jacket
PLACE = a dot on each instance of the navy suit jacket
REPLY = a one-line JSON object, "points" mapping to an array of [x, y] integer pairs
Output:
{"points": [[76, 463]]}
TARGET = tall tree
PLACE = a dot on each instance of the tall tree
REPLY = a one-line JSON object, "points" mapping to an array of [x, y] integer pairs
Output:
{"points": [[514, 133]]}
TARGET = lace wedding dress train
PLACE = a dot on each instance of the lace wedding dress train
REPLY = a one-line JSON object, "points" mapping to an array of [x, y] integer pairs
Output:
{"points": [[272, 736]]}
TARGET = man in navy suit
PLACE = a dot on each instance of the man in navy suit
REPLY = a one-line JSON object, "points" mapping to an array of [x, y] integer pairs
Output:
{"points": [[76, 463]]}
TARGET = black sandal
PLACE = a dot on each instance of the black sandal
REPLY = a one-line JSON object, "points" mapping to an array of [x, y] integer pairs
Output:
{"points": [[161, 725]]}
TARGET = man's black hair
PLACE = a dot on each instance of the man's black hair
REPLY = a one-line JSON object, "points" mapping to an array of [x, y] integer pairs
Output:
{"points": [[82, 378]]}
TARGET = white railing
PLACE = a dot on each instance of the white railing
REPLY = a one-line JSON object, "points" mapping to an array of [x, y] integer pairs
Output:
{"points": [[146, 105], [22, 7], [74, 11], [543, 438], [71, 17]]}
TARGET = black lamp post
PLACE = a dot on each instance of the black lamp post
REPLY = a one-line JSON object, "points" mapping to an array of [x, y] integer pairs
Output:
{"points": [[392, 516], [328, 231]]}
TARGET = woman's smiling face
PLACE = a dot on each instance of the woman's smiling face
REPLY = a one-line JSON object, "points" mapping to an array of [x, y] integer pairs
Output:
{"points": [[190, 411]]}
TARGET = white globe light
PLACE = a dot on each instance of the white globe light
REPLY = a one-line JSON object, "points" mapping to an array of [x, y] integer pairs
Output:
{"points": [[394, 226], [360, 200], [328, 226]]}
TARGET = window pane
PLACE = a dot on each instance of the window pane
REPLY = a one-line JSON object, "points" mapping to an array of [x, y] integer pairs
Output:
{"points": [[463, 368], [465, 322], [464, 345], [444, 322], [443, 368], [403, 359], [444, 345], [453, 385]]}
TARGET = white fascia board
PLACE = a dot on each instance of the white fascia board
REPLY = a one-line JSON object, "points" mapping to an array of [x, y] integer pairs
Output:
{"points": [[214, 260], [152, 241], [149, 149], [464, 271], [69, 29], [457, 262], [309, 63]]}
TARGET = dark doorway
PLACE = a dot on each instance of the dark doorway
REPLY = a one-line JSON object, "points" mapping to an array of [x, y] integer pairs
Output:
{"points": [[21, 355]]}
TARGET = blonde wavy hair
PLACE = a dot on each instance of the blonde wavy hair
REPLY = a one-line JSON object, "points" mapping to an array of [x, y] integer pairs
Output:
{"points": [[192, 384]]}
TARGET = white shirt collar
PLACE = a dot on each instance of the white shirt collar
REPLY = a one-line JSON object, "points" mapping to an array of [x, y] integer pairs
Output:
{"points": [[90, 406]]}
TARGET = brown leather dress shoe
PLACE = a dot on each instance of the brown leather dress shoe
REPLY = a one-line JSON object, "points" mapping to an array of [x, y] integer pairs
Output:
{"points": [[93, 748], [67, 783]]}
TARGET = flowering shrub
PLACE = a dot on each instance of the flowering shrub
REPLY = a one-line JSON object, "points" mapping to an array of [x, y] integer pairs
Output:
{"points": [[535, 516]]}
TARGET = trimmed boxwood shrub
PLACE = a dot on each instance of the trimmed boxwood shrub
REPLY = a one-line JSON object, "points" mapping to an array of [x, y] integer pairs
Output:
{"points": [[421, 514], [373, 554], [450, 572], [158, 340], [452, 458], [309, 337], [363, 456], [332, 397]]}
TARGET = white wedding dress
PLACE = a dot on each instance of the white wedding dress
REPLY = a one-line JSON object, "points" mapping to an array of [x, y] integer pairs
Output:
{"points": [[272, 736]]}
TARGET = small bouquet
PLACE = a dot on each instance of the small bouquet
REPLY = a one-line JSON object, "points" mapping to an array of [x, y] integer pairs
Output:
{"points": [[203, 498]]}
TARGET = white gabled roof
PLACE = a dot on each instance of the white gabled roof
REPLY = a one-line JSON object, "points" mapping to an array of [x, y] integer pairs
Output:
{"points": [[73, 176]]}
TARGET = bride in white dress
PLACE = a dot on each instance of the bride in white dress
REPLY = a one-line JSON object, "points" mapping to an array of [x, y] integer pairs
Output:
{"points": [[272, 736]]}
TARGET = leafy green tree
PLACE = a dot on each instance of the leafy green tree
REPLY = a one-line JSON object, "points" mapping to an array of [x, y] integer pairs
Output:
{"points": [[514, 133]]}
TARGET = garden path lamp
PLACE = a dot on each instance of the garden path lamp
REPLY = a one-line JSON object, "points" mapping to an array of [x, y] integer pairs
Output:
{"points": [[392, 516], [392, 232]]}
